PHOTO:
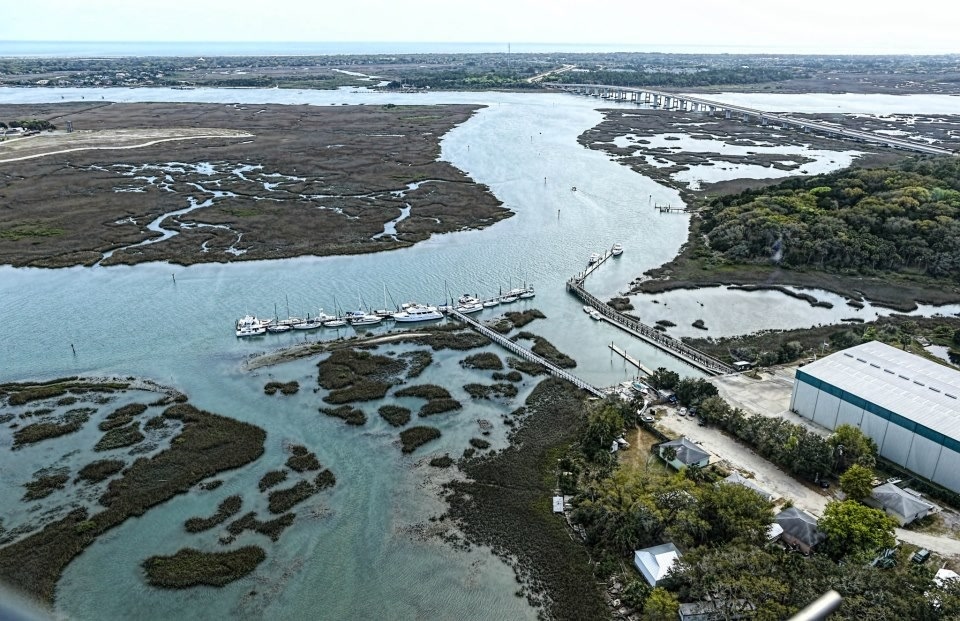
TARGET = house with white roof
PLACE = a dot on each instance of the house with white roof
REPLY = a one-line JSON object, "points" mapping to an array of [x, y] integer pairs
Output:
{"points": [[654, 563]]}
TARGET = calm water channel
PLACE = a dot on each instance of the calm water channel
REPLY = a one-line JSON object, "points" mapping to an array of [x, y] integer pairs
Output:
{"points": [[353, 554]]}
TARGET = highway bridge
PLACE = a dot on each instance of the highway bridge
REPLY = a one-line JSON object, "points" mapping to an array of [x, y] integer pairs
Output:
{"points": [[673, 101]]}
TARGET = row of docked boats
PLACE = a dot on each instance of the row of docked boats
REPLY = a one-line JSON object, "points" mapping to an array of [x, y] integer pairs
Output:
{"points": [[250, 325]]}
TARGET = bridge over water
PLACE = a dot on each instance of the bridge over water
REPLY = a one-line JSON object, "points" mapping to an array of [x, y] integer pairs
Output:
{"points": [[674, 101]]}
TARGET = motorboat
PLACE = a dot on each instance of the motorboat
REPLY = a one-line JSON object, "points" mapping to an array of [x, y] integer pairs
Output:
{"points": [[617, 249], [417, 312], [595, 315], [528, 293], [466, 298], [588, 309], [364, 319], [470, 307], [323, 317], [249, 325], [508, 299], [594, 257]]}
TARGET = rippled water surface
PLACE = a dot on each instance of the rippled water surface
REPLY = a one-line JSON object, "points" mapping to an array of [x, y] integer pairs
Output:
{"points": [[351, 551]]}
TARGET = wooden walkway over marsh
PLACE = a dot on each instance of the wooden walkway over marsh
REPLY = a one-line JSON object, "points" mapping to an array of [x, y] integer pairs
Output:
{"points": [[524, 353], [658, 339]]}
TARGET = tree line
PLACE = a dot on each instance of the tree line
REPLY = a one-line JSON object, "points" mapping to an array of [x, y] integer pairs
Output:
{"points": [[902, 218]]}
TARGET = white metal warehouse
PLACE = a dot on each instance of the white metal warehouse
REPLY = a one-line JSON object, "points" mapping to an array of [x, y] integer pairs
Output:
{"points": [[907, 404]]}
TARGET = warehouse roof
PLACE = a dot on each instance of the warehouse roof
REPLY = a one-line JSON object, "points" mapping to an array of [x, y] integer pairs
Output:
{"points": [[913, 387]]}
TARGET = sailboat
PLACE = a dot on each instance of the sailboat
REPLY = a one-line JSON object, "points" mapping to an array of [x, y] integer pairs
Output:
{"points": [[336, 322], [277, 327]]}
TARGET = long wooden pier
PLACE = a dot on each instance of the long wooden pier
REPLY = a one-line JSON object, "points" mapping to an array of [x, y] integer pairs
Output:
{"points": [[675, 347], [525, 353]]}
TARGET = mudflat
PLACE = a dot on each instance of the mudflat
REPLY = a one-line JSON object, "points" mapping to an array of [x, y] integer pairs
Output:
{"points": [[194, 183]]}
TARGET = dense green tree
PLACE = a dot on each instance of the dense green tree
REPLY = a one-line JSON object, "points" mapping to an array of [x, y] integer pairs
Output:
{"points": [[852, 446], [663, 379], [854, 529], [734, 512], [603, 427], [661, 604], [857, 482], [691, 391]]}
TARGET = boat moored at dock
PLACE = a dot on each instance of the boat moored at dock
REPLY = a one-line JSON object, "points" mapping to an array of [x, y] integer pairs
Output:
{"points": [[417, 312], [617, 249]]}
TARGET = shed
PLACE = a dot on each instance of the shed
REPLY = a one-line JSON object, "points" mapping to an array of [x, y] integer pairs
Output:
{"points": [[655, 562], [799, 529], [686, 453], [899, 504]]}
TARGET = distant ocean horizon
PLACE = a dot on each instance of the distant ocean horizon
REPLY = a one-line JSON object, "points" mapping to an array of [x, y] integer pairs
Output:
{"points": [[100, 49]]}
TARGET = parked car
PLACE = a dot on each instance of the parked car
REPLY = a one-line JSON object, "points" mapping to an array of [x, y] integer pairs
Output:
{"points": [[682, 412], [921, 555]]}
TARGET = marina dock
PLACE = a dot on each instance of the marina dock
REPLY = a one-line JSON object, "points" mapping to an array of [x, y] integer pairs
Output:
{"points": [[658, 339], [630, 359]]}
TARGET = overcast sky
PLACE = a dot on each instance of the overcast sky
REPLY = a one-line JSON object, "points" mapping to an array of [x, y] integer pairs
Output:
{"points": [[875, 26]]}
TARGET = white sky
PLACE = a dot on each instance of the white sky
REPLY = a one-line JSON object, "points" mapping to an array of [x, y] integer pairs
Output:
{"points": [[831, 26]]}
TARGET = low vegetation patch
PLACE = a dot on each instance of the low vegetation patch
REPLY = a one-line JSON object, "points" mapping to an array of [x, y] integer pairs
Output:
{"points": [[44, 485], [120, 437], [302, 460], [512, 376], [208, 444], [272, 479], [122, 416], [417, 362], [526, 366], [545, 349], [324, 480], [189, 567], [43, 431], [100, 470], [350, 415], [424, 391], [415, 437], [290, 388], [285, 499], [505, 504], [271, 528], [395, 415], [461, 340], [522, 318], [439, 406], [486, 361], [620, 304], [483, 391], [23, 393], [442, 462], [228, 508]]}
